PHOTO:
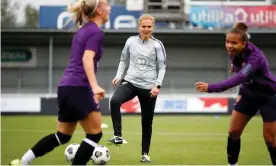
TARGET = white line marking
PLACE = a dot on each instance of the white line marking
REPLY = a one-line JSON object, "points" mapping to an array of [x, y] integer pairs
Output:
{"points": [[125, 133]]}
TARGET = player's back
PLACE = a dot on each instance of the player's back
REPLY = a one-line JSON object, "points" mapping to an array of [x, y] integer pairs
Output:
{"points": [[74, 74]]}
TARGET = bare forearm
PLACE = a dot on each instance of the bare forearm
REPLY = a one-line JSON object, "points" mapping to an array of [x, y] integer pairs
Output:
{"points": [[90, 72]]}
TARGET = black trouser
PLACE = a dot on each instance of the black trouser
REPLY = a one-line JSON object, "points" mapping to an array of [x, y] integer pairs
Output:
{"points": [[125, 92]]}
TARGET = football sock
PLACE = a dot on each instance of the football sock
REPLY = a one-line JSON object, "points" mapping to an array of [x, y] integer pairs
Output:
{"points": [[269, 148], [28, 157], [233, 150], [86, 149], [273, 155], [43, 146]]}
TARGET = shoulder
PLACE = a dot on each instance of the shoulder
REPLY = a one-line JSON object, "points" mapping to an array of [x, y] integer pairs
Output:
{"points": [[157, 43], [256, 56], [92, 30], [131, 39], [97, 34], [254, 52]]}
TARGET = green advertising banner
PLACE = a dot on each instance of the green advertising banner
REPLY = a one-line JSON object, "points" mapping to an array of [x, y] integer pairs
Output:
{"points": [[14, 58]]}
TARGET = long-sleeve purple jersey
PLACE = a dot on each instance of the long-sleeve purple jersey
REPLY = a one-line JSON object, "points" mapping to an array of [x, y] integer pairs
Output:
{"points": [[252, 71]]}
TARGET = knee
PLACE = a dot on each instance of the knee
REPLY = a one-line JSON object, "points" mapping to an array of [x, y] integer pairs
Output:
{"points": [[115, 102], [235, 133], [62, 138]]}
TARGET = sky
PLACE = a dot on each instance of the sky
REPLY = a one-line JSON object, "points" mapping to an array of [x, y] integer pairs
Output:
{"points": [[36, 4]]}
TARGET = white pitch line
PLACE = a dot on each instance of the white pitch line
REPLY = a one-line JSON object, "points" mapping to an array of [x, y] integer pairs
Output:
{"points": [[190, 134], [129, 133], [154, 165], [195, 136]]}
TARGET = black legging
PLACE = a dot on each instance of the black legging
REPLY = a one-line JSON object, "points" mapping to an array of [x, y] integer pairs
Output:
{"points": [[125, 92]]}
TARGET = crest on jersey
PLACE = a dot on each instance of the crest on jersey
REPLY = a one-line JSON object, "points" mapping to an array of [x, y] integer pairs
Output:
{"points": [[141, 63]]}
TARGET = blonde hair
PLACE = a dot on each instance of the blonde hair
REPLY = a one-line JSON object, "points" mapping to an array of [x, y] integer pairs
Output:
{"points": [[82, 11], [146, 17]]}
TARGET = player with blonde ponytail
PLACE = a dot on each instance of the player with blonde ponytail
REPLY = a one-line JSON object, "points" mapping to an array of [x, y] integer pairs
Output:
{"points": [[78, 91]]}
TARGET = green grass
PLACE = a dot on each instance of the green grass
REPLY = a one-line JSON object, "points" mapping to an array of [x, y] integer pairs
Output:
{"points": [[182, 140]]}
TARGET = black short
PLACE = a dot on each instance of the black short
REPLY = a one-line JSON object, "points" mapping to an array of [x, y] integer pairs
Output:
{"points": [[251, 105], [75, 103]]}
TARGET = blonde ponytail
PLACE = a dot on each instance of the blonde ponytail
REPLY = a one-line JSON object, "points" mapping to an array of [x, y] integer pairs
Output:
{"points": [[82, 11]]}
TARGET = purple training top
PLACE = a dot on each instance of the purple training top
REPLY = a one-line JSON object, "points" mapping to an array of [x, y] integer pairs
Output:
{"points": [[88, 37], [253, 73]]}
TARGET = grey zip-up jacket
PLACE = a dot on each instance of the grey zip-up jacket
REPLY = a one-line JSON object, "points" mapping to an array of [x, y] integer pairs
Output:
{"points": [[146, 62]]}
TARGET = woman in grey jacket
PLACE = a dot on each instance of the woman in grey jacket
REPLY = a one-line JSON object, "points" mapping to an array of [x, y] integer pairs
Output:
{"points": [[145, 58]]}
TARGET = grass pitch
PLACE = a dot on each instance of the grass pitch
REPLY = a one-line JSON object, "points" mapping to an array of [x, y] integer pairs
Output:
{"points": [[181, 140]]}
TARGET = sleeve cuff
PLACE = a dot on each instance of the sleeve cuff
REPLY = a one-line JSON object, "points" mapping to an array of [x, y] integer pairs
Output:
{"points": [[117, 77], [211, 88], [158, 84]]}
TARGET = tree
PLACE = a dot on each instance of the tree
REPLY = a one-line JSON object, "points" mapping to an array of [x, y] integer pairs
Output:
{"points": [[31, 16], [8, 13]]}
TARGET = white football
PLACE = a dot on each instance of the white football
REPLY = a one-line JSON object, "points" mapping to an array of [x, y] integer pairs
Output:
{"points": [[71, 151], [101, 155]]}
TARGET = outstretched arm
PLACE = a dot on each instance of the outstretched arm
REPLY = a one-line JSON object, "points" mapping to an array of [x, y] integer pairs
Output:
{"points": [[250, 67], [253, 64]]}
